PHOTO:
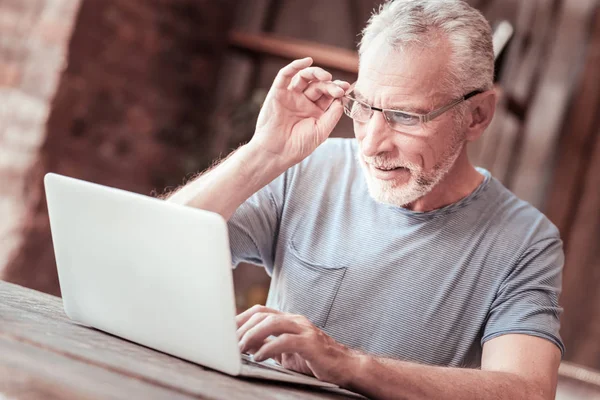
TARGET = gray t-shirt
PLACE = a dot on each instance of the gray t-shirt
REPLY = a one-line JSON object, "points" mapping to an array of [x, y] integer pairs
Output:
{"points": [[429, 287]]}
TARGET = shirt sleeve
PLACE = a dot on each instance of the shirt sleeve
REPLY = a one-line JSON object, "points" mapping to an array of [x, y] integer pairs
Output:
{"points": [[527, 301], [254, 227]]}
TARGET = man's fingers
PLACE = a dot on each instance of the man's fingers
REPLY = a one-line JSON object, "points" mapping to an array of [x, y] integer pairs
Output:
{"points": [[285, 75], [314, 73], [343, 84], [315, 90], [323, 93], [329, 120], [241, 319], [307, 75], [324, 102], [275, 325], [285, 343], [253, 321], [278, 358]]}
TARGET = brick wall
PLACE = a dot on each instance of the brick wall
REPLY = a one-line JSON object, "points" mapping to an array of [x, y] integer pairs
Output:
{"points": [[131, 111], [33, 44]]}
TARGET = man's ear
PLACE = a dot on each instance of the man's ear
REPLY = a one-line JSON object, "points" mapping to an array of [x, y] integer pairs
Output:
{"points": [[482, 109]]}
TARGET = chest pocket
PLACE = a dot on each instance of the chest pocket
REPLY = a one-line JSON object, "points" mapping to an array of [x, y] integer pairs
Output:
{"points": [[307, 288]]}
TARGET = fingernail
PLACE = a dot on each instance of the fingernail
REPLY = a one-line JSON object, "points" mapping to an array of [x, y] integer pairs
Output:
{"points": [[258, 357]]}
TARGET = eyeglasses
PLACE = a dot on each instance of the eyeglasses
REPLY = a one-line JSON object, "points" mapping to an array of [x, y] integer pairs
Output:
{"points": [[396, 119]]}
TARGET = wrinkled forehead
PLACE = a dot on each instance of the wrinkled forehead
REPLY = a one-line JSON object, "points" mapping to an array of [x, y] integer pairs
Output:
{"points": [[397, 73]]}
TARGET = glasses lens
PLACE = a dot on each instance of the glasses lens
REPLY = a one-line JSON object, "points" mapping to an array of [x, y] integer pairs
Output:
{"points": [[356, 110], [400, 119]]}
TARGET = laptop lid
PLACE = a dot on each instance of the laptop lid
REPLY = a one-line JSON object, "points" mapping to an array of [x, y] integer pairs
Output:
{"points": [[147, 270]]}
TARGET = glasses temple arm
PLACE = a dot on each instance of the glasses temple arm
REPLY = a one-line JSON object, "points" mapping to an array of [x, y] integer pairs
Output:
{"points": [[436, 113]]}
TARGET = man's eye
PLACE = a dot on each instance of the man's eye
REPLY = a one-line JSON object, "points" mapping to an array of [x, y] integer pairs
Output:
{"points": [[402, 118], [359, 109]]}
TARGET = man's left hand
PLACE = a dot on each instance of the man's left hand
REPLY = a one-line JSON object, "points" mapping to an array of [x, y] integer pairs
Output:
{"points": [[295, 343]]}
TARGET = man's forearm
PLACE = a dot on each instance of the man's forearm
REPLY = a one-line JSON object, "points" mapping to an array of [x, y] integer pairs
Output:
{"points": [[391, 379], [225, 187]]}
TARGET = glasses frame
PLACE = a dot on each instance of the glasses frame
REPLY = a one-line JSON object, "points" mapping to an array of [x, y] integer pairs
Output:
{"points": [[423, 118]]}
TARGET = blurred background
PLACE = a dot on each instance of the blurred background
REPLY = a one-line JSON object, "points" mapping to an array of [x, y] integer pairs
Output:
{"points": [[142, 94]]}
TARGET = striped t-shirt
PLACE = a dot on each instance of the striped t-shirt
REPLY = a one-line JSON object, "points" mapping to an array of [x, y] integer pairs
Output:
{"points": [[429, 287]]}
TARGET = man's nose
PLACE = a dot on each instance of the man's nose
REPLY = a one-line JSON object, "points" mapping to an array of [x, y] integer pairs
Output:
{"points": [[378, 137]]}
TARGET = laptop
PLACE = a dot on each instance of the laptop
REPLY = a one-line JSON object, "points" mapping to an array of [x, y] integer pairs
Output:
{"points": [[153, 272]]}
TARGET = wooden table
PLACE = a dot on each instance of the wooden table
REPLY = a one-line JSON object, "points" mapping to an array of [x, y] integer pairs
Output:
{"points": [[43, 354]]}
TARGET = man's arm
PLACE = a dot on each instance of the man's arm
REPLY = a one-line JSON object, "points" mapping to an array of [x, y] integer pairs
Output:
{"points": [[225, 187], [298, 114], [513, 367]]}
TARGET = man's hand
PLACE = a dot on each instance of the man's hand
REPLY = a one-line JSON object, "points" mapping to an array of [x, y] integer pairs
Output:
{"points": [[297, 345], [299, 113]]}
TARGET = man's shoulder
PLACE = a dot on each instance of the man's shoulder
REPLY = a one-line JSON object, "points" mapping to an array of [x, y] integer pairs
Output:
{"points": [[518, 220]]}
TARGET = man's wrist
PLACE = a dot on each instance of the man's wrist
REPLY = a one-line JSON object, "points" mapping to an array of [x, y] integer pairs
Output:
{"points": [[260, 165], [357, 363]]}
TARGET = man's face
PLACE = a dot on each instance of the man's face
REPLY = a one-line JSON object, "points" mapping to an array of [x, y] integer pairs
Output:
{"points": [[401, 167]]}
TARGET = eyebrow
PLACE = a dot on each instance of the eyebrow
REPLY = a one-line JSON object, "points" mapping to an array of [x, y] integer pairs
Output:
{"points": [[407, 108]]}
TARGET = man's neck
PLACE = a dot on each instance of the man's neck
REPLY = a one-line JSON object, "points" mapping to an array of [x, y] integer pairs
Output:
{"points": [[458, 183]]}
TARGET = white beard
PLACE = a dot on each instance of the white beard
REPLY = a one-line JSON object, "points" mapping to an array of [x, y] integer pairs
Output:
{"points": [[420, 182]]}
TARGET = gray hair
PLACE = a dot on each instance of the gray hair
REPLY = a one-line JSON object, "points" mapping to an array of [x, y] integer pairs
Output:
{"points": [[424, 23]]}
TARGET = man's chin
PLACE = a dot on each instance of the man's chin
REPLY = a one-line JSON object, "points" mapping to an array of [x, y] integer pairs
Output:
{"points": [[391, 192], [397, 180]]}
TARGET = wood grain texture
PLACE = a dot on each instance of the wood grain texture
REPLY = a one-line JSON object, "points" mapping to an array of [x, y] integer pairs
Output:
{"points": [[37, 319], [30, 372]]}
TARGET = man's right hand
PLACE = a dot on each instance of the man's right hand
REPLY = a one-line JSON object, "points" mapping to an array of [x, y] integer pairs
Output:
{"points": [[299, 113]]}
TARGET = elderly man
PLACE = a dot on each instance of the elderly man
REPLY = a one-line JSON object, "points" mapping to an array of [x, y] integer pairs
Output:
{"points": [[395, 262]]}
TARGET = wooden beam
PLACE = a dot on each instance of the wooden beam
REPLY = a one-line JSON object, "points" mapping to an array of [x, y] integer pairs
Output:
{"points": [[290, 48]]}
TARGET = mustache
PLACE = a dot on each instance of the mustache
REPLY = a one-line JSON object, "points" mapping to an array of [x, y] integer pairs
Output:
{"points": [[389, 163]]}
